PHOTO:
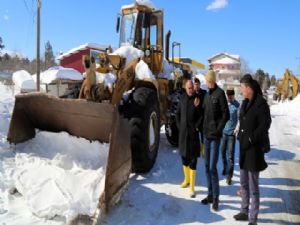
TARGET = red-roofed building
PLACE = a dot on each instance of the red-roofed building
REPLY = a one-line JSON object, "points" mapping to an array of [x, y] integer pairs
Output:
{"points": [[73, 58]]}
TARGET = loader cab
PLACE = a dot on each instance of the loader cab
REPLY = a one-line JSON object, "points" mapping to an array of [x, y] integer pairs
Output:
{"points": [[142, 28]]}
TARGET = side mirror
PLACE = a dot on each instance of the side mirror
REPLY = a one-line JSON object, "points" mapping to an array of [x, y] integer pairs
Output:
{"points": [[118, 24]]}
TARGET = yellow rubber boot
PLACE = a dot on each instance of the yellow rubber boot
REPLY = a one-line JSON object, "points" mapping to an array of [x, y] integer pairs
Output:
{"points": [[192, 183], [186, 181], [202, 150]]}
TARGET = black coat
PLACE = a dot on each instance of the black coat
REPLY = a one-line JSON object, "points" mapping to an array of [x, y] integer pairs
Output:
{"points": [[201, 95], [216, 113], [255, 121], [188, 119]]}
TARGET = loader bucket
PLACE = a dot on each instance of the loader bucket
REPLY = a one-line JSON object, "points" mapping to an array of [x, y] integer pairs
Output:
{"points": [[90, 120]]}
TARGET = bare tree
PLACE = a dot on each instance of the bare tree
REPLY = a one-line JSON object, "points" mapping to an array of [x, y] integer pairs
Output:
{"points": [[245, 68]]}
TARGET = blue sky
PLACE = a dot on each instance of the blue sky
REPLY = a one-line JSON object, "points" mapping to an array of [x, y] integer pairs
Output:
{"points": [[265, 33]]}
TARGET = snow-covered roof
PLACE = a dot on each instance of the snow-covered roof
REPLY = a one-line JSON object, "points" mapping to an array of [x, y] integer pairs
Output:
{"points": [[226, 61], [82, 47], [59, 73], [147, 3], [24, 80], [237, 57]]}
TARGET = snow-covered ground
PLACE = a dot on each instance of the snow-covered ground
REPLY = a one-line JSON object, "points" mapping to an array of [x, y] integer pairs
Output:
{"points": [[153, 198], [57, 176]]}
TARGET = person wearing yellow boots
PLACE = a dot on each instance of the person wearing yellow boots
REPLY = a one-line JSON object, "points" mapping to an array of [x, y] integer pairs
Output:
{"points": [[188, 119]]}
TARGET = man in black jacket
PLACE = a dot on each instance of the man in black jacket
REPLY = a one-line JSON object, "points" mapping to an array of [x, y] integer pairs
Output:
{"points": [[188, 119], [216, 114], [255, 121]]}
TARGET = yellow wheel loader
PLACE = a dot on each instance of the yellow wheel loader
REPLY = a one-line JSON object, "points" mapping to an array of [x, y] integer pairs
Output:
{"points": [[128, 114]]}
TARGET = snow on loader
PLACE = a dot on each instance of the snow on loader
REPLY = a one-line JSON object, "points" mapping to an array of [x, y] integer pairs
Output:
{"points": [[127, 114]]}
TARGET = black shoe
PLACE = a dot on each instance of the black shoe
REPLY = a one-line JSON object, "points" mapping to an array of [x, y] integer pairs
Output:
{"points": [[215, 205], [241, 217], [252, 223], [229, 180], [207, 199], [224, 172]]}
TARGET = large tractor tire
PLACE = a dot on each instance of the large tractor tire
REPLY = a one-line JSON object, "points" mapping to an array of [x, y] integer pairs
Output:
{"points": [[171, 130], [142, 110]]}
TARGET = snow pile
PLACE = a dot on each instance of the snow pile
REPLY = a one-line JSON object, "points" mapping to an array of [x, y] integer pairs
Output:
{"points": [[59, 73], [288, 107], [129, 53], [23, 80], [142, 71], [167, 72], [6, 108], [107, 78], [64, 180], [57, 175]]}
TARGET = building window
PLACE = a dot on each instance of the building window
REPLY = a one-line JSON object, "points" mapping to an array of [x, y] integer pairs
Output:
{"points": [[95, 54]]}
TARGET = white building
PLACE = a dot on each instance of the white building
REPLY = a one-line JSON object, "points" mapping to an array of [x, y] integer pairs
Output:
{"points": [[226, 66]]}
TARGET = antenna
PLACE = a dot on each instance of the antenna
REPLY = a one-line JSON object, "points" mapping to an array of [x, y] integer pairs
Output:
{"points": [[38, 63]]}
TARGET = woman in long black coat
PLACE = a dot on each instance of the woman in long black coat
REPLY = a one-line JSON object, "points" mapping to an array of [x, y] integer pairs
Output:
{"points": [[188, 118]]}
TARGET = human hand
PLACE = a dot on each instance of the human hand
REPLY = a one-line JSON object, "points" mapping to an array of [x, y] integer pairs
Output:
{"points": [[196, 101]]}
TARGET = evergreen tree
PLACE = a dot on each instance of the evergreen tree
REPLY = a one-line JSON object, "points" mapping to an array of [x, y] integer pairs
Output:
{"points": [[260, 76], [273, 80], [49, 56], [1, 44], [266, 83]]}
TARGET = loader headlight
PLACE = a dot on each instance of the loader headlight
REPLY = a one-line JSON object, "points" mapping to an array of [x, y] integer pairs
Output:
{"points": [[147, 53]]}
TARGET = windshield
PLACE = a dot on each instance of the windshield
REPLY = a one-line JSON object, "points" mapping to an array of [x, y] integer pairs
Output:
{"points": [[128, 29]]}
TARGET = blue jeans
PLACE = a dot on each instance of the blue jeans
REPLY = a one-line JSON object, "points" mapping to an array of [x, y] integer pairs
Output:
{"points": [[211, 157], [227, 148]]}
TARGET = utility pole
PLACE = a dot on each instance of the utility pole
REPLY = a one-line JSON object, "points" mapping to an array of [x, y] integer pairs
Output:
{"points": [[38, 63]]}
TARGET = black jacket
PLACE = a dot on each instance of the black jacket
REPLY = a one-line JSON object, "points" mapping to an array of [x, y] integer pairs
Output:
{"points": [[188, 119], [216, 113], [201, 95], [255, 121]]}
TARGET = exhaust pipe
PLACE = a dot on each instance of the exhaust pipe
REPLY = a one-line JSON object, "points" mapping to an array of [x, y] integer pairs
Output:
{"points": [[168, 35]]}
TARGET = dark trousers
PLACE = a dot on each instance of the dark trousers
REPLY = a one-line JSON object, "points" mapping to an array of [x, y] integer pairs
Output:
{"points": [[250, 189], [192, 163], [211, 157], [227, 147]]}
